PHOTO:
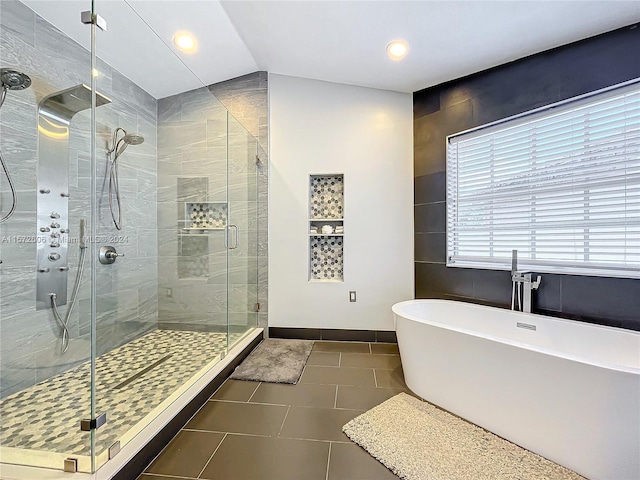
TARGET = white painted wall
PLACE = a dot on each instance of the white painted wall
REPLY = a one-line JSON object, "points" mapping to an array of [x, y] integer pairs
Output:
{"points": [[319, 127]]}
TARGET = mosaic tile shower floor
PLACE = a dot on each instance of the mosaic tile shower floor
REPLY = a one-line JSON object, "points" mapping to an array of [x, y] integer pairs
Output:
{"points": [[129, 386]]}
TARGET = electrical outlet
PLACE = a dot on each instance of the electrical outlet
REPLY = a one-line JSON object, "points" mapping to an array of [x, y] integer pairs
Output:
{"points": [[352, 296]]}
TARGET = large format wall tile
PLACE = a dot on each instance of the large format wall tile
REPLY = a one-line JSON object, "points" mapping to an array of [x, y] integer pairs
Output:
{"points": [[31, 339], [205, 156], [491, 95]]}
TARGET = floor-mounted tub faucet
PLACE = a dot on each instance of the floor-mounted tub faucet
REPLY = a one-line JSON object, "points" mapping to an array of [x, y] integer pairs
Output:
{"points": [[521, 282]]}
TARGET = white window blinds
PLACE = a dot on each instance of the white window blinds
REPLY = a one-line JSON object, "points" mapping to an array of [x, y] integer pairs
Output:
{"points": [[560, 184]]}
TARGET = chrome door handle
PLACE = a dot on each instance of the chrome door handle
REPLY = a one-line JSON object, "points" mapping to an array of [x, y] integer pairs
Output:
{"points": [[237, 237]]}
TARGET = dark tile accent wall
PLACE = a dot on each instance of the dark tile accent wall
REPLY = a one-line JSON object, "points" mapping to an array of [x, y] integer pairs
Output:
{"points": [[487, 96], [332, 334]]}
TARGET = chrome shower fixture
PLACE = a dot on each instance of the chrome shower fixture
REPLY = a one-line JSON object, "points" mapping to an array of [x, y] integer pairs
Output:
{"points": [[120, 143], [133, 138], [121, 140], [11, 80], [55, 113], [14, 80]]}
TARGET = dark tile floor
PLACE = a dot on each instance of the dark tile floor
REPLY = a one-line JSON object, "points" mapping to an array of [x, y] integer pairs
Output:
{"points": [[268, 431]]}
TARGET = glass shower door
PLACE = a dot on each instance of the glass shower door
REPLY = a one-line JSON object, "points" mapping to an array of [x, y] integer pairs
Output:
{"points": [[161, 215], [243, 230], [45, 128]]}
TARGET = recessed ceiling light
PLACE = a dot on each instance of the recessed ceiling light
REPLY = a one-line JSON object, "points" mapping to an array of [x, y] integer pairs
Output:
{"points": [[185, 42], [397, 50]]}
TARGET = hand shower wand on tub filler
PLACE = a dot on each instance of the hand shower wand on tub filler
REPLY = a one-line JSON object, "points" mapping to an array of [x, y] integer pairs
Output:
{"points": [[521, 281]]}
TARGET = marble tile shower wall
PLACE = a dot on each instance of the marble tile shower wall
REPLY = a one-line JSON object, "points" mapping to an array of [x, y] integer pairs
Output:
{"points": [[192, 169], [127, 290]]}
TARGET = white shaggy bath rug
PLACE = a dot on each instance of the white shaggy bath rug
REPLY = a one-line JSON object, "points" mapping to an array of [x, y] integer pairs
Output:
{"points": [[418, 441]]}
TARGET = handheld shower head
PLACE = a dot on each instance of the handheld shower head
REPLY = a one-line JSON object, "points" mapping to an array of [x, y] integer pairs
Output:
{"points": [[120, 144], [14, 80], [11, 80], [133, 138], [118, 147], [128, 139]]}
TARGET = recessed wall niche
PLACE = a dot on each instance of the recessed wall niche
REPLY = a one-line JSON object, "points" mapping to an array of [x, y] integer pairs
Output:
{"points": [[326, 228], [193, 259], [205, 216], [198, 219]]}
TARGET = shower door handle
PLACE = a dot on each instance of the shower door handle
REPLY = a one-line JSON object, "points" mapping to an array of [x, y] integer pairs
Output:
{"points": [[235, 239]]}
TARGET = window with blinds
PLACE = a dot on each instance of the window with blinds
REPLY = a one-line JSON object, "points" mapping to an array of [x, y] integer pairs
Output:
{"points": [[560, 184]]}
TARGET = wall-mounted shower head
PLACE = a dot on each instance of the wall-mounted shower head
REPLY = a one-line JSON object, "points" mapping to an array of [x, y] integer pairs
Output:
{"points": [[14, 80]]}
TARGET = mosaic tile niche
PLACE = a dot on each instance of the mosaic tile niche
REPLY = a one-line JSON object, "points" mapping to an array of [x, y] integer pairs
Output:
{"points": [[206, 216], [326, 257], [327, 196], [326, 228]]}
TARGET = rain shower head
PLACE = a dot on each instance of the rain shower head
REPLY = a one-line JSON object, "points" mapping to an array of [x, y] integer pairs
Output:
{"points": [[14, 80]]}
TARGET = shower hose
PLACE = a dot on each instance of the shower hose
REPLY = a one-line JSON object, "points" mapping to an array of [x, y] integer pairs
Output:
{"points": [[64, 322], [14, 197]]}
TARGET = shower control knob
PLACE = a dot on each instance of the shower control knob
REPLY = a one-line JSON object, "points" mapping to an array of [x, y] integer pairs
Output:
{"points": [[55, 225], [45, 229], [108, 255], [64, 230], [54, 244], [55, 235], [54, 215], [66, 195], [45, 190], [63, 269], [44, 270], [53, 256]]}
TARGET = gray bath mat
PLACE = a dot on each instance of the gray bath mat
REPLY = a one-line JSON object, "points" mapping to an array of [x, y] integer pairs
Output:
{"points": [[275, 361], [418, 441]]}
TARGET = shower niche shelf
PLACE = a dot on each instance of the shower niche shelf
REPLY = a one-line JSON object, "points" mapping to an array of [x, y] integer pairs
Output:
{"points": [[326, 228], [204, 217]]}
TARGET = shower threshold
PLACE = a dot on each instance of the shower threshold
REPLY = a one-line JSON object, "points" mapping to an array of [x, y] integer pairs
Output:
{"points": [[136, 385]]}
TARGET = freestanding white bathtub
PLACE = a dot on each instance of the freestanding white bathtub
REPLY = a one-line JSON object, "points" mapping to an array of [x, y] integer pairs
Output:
{"points": [[569, 391]]}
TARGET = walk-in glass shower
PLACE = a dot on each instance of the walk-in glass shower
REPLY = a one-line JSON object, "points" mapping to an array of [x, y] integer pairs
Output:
{"points": [[129, 233]]}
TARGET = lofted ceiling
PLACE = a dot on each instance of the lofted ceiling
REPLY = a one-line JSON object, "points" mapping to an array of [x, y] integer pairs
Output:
{"points": [[337, 41]]}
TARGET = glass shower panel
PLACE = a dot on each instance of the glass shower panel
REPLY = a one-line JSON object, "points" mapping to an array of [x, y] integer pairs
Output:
{"points": [[149, 180], [45, 373], [243, 230], [162, 212]]}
